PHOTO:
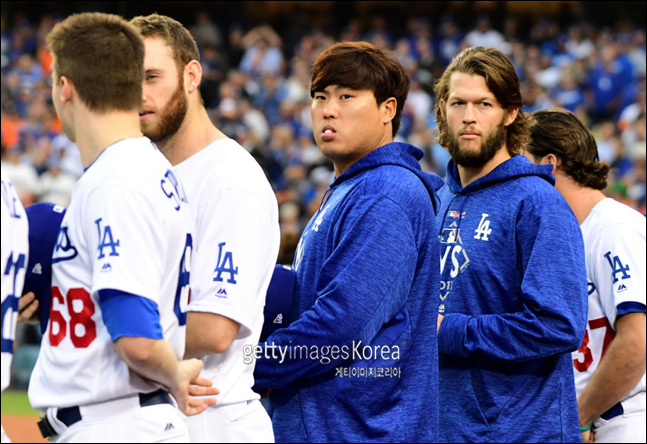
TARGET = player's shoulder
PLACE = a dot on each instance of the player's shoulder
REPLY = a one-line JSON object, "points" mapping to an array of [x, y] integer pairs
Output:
{"points": [[535, 187], [614, 220], [224, 164], [396, 183], [131, 162]]}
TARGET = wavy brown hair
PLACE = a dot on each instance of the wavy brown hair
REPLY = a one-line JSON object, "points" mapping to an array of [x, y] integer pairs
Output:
{"points": [[103, 56], [362, 66], [176, 36], [501, 78], [560, 132]]}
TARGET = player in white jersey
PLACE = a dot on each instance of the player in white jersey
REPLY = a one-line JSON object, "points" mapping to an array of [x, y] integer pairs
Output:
{"points": [[610, 363], [120, 269], [237, 231], [14, 260]]}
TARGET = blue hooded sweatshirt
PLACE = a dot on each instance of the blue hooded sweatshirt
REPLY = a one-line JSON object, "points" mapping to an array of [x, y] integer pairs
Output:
{"points": [[514, 297], [364, 350]]}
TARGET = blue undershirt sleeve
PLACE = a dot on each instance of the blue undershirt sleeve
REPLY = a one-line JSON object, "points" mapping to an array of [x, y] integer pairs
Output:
{"points": [[126, 314]]}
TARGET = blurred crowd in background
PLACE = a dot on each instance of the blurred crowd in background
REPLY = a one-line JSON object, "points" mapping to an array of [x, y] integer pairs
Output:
{"points": [[256, 78]]}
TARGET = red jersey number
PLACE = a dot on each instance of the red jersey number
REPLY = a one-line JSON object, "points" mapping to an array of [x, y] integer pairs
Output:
{"points": [[82, 329]]}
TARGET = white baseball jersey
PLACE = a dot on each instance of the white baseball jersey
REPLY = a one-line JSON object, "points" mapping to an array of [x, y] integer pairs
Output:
{"points": [[15, 245], [614, 239], [237, 241], [128, 228]]}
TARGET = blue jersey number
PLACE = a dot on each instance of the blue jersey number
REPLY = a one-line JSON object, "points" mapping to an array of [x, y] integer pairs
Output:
{"points": [[10, 304], [173, 190], [183, 289]]}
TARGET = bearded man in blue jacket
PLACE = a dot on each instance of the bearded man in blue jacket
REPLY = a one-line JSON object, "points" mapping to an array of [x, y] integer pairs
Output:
{"points": [[359, 362], [513, 276]]}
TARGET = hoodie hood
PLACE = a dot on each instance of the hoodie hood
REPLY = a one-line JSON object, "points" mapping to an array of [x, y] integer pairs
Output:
{"points": [[400, 154], [517, 166]]}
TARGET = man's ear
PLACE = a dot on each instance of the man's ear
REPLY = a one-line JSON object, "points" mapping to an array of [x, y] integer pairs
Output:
{"points": [[441, 106], [512, 114], [551, 159], [389, 107], [66, 90], [192, 75]]}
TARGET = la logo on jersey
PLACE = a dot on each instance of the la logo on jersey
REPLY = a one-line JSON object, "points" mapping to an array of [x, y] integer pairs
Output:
{"points": [[617, 267], [64, 250], [225, 265], [106, 240], [483, 230]]}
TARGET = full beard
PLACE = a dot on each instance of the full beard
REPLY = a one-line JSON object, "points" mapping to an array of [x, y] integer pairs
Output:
{"points": [[170, 118], [475, 159]]}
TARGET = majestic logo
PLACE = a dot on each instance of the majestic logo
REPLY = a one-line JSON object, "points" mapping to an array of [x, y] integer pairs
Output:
{"points": [[483, 230], [106, 268], [278, 319], [222, 293], [617, 267], [169, 426], [106, 240], [622, 288], [38, 269], [225, 265], [64, 250]]}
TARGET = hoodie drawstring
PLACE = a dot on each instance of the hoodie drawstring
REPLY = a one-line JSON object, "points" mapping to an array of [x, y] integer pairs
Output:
{"points": [[325, 198]]}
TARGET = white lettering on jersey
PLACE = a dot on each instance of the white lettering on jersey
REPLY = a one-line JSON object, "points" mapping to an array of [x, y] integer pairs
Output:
{"points": [[299, 254], [319, 220]]}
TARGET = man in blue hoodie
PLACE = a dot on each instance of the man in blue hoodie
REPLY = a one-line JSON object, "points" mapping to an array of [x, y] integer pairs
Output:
{"points": [[359, 362], [513, 277]]}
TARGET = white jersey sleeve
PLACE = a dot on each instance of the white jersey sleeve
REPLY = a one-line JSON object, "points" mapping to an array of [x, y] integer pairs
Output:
{"points": [[230, 265], [15, 246], [618, 267], [127, 241]]}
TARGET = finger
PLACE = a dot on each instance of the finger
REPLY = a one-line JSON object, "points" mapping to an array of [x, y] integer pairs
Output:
{"points": [[195, 390], [28, 313], [25, 300], [196, 406], [204, 382]]}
